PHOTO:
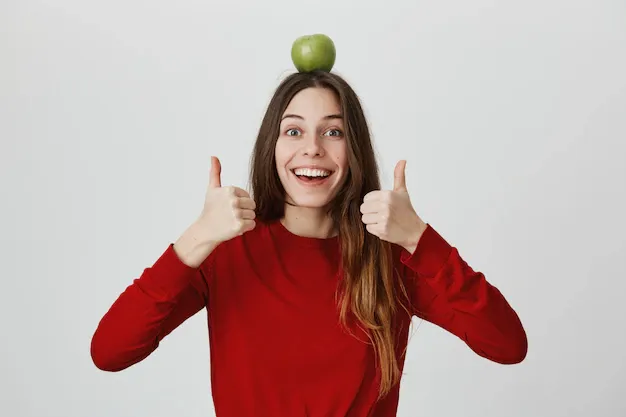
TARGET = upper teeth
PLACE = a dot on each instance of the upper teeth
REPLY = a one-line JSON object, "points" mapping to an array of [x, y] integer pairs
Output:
{"points": [[311, 172]]}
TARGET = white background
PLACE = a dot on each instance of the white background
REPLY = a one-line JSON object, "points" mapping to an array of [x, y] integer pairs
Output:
{"points": [[512, 116]]}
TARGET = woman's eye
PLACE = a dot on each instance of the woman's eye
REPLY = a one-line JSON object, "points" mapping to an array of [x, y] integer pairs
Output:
{"points": [[334, 132], [292, 132]]}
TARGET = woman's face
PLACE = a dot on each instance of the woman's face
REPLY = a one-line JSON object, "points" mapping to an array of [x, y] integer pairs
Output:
{"points": [[311, 150]]}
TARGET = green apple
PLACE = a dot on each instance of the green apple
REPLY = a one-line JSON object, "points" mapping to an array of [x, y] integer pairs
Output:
{"points": [[313, 52]]}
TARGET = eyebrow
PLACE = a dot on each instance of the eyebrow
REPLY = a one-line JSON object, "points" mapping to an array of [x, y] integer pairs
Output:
{"points": [[296, 116]]}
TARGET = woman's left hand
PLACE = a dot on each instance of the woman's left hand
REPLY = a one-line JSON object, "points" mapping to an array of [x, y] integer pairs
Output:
{"points": [[390, 214]]}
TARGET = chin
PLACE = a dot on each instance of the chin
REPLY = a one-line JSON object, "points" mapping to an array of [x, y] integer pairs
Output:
{"points": [[309, 201]]}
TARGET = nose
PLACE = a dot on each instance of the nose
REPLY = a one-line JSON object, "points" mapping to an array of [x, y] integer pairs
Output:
{"points": [[312, 146]]}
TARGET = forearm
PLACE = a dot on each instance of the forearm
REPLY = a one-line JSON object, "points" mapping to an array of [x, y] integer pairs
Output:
{"points": [[479, 314], [450, 294], [157, 302]]}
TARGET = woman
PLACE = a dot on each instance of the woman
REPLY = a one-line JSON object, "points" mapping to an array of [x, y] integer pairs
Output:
{"points": [[309, 285]]}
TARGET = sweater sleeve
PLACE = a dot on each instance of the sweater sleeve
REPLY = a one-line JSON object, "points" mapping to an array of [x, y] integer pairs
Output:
{"points": [[156, 303], [447, 292]]}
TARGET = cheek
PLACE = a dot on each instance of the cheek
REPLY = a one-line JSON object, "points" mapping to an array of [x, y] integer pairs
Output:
{"points": [[280, 155], [340, 155]]}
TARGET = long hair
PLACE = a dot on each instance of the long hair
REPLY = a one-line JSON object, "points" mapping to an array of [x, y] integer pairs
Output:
{"points": [[368, 290]]}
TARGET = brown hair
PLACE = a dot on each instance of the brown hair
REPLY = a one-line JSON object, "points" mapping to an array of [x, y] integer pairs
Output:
{"points": [[368, 290]]}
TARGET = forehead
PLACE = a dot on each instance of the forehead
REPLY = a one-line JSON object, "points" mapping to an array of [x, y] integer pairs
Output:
{"points": [[314, 103]]}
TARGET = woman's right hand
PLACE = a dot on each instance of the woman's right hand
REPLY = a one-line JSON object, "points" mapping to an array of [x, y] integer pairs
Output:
{"points": [[228, 212]]}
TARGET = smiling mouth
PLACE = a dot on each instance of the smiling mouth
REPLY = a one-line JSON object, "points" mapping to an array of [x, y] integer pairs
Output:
{"points": [[312, 175]]}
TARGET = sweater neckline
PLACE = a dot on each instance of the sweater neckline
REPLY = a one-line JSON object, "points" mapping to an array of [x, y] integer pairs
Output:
{"points": [[287, 237]]}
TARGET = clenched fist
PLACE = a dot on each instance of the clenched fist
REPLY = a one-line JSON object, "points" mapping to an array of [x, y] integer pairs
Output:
{"points": [[228, 211], [390, 214]]}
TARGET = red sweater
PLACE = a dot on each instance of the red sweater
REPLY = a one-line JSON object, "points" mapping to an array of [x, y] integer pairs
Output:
{"points": [[277, 348]]}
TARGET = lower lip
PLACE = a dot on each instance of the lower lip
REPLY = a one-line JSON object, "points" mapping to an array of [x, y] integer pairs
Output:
{"points": [[314, 182]]}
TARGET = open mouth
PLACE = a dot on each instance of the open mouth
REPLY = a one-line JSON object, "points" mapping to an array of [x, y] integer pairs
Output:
{"points": [[312, 175]]}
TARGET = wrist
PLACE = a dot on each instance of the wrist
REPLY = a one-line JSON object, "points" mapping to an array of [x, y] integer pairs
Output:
{"points": [[194, 246], [420, 228]]}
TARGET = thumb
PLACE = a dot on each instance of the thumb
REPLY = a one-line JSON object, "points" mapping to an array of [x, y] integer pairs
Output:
{"points": [[399, 181], [216, 170]]}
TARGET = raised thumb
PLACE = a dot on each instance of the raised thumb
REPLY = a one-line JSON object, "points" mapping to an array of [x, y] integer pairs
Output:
{"points": [[399, 181], [216, 170]]}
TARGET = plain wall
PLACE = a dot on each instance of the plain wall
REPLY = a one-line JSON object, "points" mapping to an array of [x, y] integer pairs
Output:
{"points": [[511, 115]]}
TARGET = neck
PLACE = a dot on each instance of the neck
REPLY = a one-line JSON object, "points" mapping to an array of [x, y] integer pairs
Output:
{"points": [[308, 222]]}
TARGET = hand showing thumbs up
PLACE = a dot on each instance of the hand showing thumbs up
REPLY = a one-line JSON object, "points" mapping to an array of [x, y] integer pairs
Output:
{"points": [[228, 211], [390, 214]]}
